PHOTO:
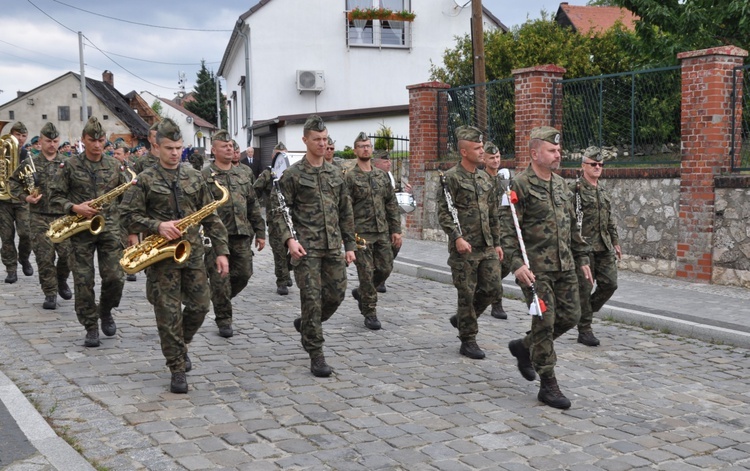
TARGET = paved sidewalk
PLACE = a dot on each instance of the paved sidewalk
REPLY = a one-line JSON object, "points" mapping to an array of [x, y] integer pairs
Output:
{"points": [[401, 398]]}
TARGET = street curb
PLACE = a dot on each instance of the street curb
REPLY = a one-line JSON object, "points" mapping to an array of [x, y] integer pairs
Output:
{"points": [[54, 449], [642, 318]]}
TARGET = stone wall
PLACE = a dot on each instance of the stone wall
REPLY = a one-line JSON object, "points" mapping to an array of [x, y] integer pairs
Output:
{"points": [[731, 251]]}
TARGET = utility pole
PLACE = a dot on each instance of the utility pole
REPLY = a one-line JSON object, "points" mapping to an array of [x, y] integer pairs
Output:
{"points": [[84, 108], [477, 44]]}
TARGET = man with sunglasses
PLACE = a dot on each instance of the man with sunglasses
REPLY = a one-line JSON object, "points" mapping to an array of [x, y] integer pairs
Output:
{"points": [[330, 149], [597, 226]]}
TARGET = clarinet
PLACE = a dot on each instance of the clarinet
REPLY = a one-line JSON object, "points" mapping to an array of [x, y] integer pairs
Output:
{"points": [[579, 211], [449, 201], [283, 208]]}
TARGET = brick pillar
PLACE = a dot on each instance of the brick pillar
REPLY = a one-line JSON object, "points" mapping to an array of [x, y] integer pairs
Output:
{"points": [[423, 144], [706, 140], [534, 89]]}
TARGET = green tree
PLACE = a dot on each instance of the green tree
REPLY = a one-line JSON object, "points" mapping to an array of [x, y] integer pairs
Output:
{"points": [[156, 106], [204, 104]]}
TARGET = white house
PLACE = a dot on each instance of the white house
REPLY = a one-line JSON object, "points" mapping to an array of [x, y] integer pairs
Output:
{"points": [[305, 57], [196, 131]]}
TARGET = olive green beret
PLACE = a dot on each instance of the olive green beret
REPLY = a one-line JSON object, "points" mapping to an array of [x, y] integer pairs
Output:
{"points": [[235, 145], [169, 129], [19, 127], [546, 133], [490, 148], [593, 153], [154, 126], [93, 129], [315, 123], [331, 141], [468, 133], [221, 135], [280, 146], [49, 130], [361, 137]]}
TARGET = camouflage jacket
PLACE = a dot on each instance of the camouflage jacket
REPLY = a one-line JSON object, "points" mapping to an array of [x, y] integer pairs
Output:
{"points": [[475, 198], [144, 162], [320, 207], [46, 173], [598, 228], [152, 201], [80, 180], [548, 225], [263, 186], [373, 201], [241, 214]]}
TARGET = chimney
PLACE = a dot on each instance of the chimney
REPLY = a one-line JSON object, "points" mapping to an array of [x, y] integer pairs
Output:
{"points": [[108, 78]]}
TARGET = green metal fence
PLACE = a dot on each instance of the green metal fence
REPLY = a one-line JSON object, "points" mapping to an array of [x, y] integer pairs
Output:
{"points": [[740, 149], [634, 116], [397, 148], [489, 106]]}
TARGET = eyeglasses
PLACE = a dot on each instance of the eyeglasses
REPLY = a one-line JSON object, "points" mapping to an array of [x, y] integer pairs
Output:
{"points": [[595, 164], [331, 148]]}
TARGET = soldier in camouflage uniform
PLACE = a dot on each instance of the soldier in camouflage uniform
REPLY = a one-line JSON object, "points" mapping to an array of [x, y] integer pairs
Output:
{"points": [[555, 248], [14, 216], [376, 220], [263, 188], [600, 232], [321, 214], [150, 159], [242, 219], [53, 278], [492, 167], [164, 194], [82, 179], [196, 160], [473, 240]]}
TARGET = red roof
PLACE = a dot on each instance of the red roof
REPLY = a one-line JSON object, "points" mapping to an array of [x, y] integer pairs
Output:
{"points": [[594, 19]]}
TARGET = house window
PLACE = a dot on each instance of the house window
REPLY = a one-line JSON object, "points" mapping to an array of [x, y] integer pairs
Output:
{"points": [[11, 115], [75, 95], [106, 116], [63, 113], [44, 117], [379, 33], [234, 111]]}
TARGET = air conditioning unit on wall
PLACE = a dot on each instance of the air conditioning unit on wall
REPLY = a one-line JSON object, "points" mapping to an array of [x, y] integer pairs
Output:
{"points": [[310, 81]]}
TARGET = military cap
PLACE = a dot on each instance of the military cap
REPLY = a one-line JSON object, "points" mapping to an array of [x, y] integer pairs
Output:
{"points": [[34, 140], [235, 145], [331, 141], [469, 133], [361, 137], [122, 145], [315, 123], [49, 130], [221, 135], [593, 153], [280, 146], [546, 133], [169, 129], [154, 126], [93, 129], [19, 127], [490, 148]]}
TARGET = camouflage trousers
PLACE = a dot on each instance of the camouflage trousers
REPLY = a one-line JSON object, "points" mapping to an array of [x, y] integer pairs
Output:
{"points": [[374, 266], [321, 279], [280, 260], [168, 289], [504, 271], [559, 291], [108, 248], [604, 270], [45, 251], [476, 276], [240, 271], [14, 217]]}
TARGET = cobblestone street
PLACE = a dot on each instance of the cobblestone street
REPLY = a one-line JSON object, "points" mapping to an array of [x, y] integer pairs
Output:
{"points": [[401, 398]]}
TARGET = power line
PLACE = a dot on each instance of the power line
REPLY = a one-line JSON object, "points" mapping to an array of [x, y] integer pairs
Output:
{"points": [[123, 68], [48, 16], [141, 24], [34, 52]]}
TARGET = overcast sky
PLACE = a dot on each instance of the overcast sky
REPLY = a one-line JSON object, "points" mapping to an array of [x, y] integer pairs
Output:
{"points": [[39, 40]]}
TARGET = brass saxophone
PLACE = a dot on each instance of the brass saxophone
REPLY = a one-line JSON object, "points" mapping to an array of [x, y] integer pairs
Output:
{"points": [[66, 226], [360, 242], [156, 247]]}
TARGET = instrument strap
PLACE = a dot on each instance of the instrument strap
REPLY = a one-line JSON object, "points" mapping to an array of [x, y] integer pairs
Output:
{"points": [[176, 190]]}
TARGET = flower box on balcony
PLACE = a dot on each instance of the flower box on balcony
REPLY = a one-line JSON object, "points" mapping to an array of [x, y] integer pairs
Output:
{"points": [[380, 14]]}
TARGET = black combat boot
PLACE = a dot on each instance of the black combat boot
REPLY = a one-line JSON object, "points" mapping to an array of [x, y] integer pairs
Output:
{"points": [[108, 324], [498, 312], [381, 288], [188, 363], [588, 338], [372, 323], [50, 302], [282, 290], [523, 356], [92, 337], [454, 321], [550, 394], [131, 277], [179, 383], [298, 324], [63, 289], [28, 270], [319, 367], [469, 348], [289, 282], [226, 331], [12, 277]]}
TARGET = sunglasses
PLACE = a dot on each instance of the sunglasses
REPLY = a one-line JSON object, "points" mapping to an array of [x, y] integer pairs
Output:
{"points": [[331, 148], [595, 164]]}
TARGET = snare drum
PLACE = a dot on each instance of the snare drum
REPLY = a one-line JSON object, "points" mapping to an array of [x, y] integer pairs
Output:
{"points": [[406, 202]]}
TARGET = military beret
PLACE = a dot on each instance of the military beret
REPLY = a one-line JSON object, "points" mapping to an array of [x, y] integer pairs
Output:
{"points": [[19, 127], [490, 148], [34, 140], [315, 123], [361, 137], [108, 144], [66, 143], [93, 129], [221, 135], [49, 130], [593, 153], [169, 129], [469, 133], [281, 146], [546, 133], [154, 126]]}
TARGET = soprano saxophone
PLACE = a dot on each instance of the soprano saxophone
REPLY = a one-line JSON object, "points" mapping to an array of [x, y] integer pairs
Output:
{"points": [[67, 226], [156, 247]]}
